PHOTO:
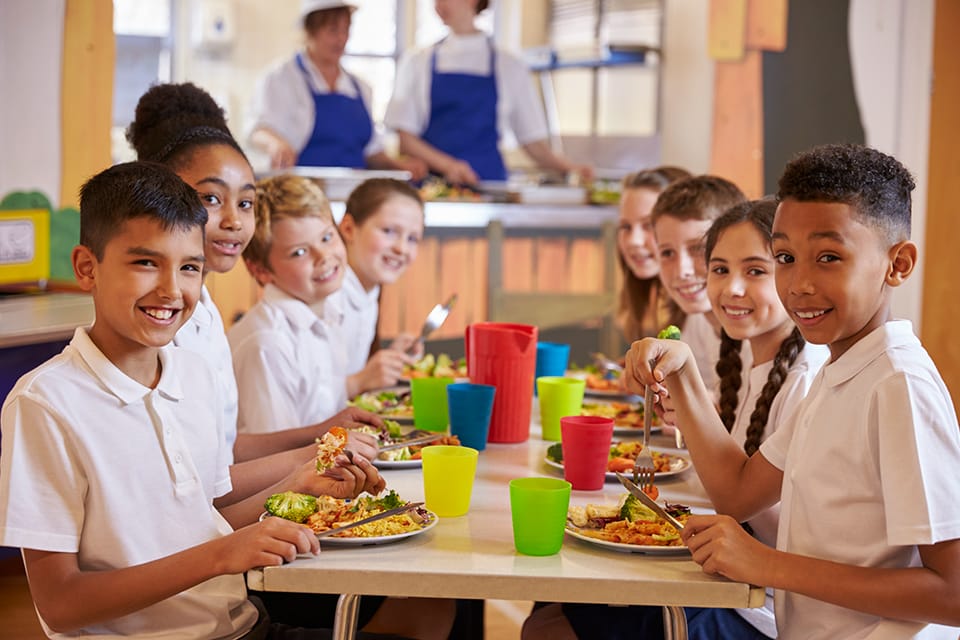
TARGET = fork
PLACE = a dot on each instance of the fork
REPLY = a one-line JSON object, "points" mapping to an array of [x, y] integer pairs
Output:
{"points": [[643, 464]]}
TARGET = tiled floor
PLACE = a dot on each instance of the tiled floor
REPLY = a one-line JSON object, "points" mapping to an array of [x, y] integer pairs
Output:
{"points": [[502, 619]]}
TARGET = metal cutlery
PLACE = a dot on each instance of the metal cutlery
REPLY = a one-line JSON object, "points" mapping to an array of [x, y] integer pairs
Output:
{"points": [[435, 318], [644, 461], [412, 442], [377, 516], [605, 363], [636, 492]]}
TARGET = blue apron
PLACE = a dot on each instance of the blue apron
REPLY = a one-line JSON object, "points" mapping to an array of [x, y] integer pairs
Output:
{"points": [[341, 128], [463, 118]]}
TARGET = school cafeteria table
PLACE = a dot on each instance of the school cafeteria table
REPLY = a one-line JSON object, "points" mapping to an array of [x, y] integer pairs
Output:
{"points": [[473, 556]]}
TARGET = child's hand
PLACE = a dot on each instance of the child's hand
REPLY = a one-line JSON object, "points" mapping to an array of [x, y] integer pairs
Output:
{"points": [[383, 369], [351, 476], [362, 444], [409, 344], [352, 418], [671, 356], [264, 544], [722, 547]]}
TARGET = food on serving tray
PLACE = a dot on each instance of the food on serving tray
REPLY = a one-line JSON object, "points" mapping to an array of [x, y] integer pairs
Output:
{"points": [[628, 522], [329, 446], [624, 414], [622, 457], [597, 380], [436, 189], [440, 366], [394, 404], [291, 505], [670, 332]]}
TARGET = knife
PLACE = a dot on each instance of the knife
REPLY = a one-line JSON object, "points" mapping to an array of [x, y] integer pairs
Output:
{"points": [[413, 442], [648, 501], [377, 516]]}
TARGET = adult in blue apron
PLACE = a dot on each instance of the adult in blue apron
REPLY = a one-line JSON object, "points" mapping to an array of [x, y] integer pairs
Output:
{"points": [[341, 128], [463, 118]]}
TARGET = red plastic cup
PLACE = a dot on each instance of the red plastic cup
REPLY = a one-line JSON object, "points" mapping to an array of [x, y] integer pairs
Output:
{"points": [[504, 355], [585, 441]]}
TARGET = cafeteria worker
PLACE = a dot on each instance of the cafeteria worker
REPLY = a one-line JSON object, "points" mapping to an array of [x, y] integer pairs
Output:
{"points": [[452, 100], [309, 111]]}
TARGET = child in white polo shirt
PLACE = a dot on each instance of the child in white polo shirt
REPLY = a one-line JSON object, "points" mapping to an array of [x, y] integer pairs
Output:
{"points": [[869, 538], [114, 451], [288, 369]]}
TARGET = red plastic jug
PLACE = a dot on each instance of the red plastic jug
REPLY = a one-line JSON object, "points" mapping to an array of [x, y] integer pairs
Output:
{"points": [[504, 355]]}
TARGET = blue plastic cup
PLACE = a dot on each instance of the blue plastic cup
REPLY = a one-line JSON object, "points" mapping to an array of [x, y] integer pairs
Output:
{"points": [[552, 361], [470, 406]]}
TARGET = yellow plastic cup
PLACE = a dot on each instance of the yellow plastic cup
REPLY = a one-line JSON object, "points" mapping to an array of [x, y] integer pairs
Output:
{"points": [[448, 473]]}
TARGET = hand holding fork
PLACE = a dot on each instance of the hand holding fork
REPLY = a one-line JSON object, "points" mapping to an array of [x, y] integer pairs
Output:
{"points": [[643, 468]]}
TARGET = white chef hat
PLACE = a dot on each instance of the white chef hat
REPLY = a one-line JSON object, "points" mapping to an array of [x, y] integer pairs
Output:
{"points": [[309, 6]]}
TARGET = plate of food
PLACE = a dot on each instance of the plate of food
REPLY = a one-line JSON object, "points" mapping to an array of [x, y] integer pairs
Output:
{"points": [[622, 456], [627, 416], [601, 384], [439, 366], [324, 513], [628, 527], [399, 454], [393, 403]]}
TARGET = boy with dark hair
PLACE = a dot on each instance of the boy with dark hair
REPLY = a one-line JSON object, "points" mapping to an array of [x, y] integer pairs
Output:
{"points": [[869, 538], [114, 450]]}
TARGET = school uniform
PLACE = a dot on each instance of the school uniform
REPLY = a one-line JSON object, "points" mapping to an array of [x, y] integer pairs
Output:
{"points": [[360, 310], [869, 472], [462, 95], [288, 370], [96, 464], [793, 390], [704, 342], [203, 333], [327, 126]]}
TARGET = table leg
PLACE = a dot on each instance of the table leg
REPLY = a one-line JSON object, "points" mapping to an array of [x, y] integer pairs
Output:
{"points": [[345, 618], [674, 623]]}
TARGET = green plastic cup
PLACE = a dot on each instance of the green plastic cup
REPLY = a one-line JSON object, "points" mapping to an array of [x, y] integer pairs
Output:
{"points": [[559, 397], [429, 397], [538, 507], [448, 473]]}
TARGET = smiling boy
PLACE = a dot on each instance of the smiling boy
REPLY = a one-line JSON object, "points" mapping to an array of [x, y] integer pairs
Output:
{"points": [[869, 537]]}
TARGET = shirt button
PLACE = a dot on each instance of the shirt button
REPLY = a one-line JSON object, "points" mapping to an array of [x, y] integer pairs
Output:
{"points": [[178, 458]]}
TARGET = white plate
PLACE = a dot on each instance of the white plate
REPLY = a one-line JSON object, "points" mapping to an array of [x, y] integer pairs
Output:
{"points": [[622, 547], [334, 541], [612, 395], [398, 464], [353, 542], [678, 465]]}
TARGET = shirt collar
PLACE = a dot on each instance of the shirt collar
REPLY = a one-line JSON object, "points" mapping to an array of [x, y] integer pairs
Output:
{"points": [[116, 381], [296, 311], [354, 293], [891, 334]]}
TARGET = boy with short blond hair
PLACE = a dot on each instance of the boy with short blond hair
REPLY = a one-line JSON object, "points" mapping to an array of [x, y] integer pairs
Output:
{"points": [[869, 538]]}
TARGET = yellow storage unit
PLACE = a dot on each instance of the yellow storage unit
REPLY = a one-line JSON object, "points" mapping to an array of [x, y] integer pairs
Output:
{"points": [[24, 246]]}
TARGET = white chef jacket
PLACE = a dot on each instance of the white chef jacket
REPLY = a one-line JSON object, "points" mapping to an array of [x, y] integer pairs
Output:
{"points": [[869, 466], [519, 109], [288, 372], [96, 464], [282, 102]]}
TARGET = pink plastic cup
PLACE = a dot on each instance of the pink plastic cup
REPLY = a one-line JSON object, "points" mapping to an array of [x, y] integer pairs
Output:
{"points": [[585, 441]]}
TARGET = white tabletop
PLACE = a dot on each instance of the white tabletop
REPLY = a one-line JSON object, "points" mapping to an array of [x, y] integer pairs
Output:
{"points": [[473, 556]]}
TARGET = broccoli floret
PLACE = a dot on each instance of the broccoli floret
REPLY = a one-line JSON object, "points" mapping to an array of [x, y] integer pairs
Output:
{"points": [[555, 452], [426, 363], [633, 510], [291, 505], [390, 501], [671, 332], [393, 428]]}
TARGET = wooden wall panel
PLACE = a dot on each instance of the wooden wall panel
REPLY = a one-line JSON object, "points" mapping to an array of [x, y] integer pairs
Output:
{"points": [[456, 276], [727, 26], [586, 266], [553, 264], [941, 289], [518, 273], [737, 149], [86, 103], [766, 25]]}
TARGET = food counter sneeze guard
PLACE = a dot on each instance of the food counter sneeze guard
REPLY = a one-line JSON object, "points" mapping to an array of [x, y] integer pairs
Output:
{"points": [[478, 215], [42, 317]]}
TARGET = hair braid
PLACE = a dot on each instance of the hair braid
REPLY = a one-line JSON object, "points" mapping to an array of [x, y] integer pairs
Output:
{"points": [[786, 356], [729, 370]]}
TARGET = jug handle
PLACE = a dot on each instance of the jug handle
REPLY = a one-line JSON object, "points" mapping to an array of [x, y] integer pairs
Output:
{"points": [[466, 347]]}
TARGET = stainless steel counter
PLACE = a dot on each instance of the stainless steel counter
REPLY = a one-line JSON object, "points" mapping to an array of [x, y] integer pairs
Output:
{"points": [[478, 215], [44, 317]]}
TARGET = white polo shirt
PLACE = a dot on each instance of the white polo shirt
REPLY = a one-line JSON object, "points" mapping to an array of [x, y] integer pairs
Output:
{"points": [[282, 102], [793, 390], [289, 374], [96, 464], [203, 333], [360, 310], [519, 108], [869, 466]]}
